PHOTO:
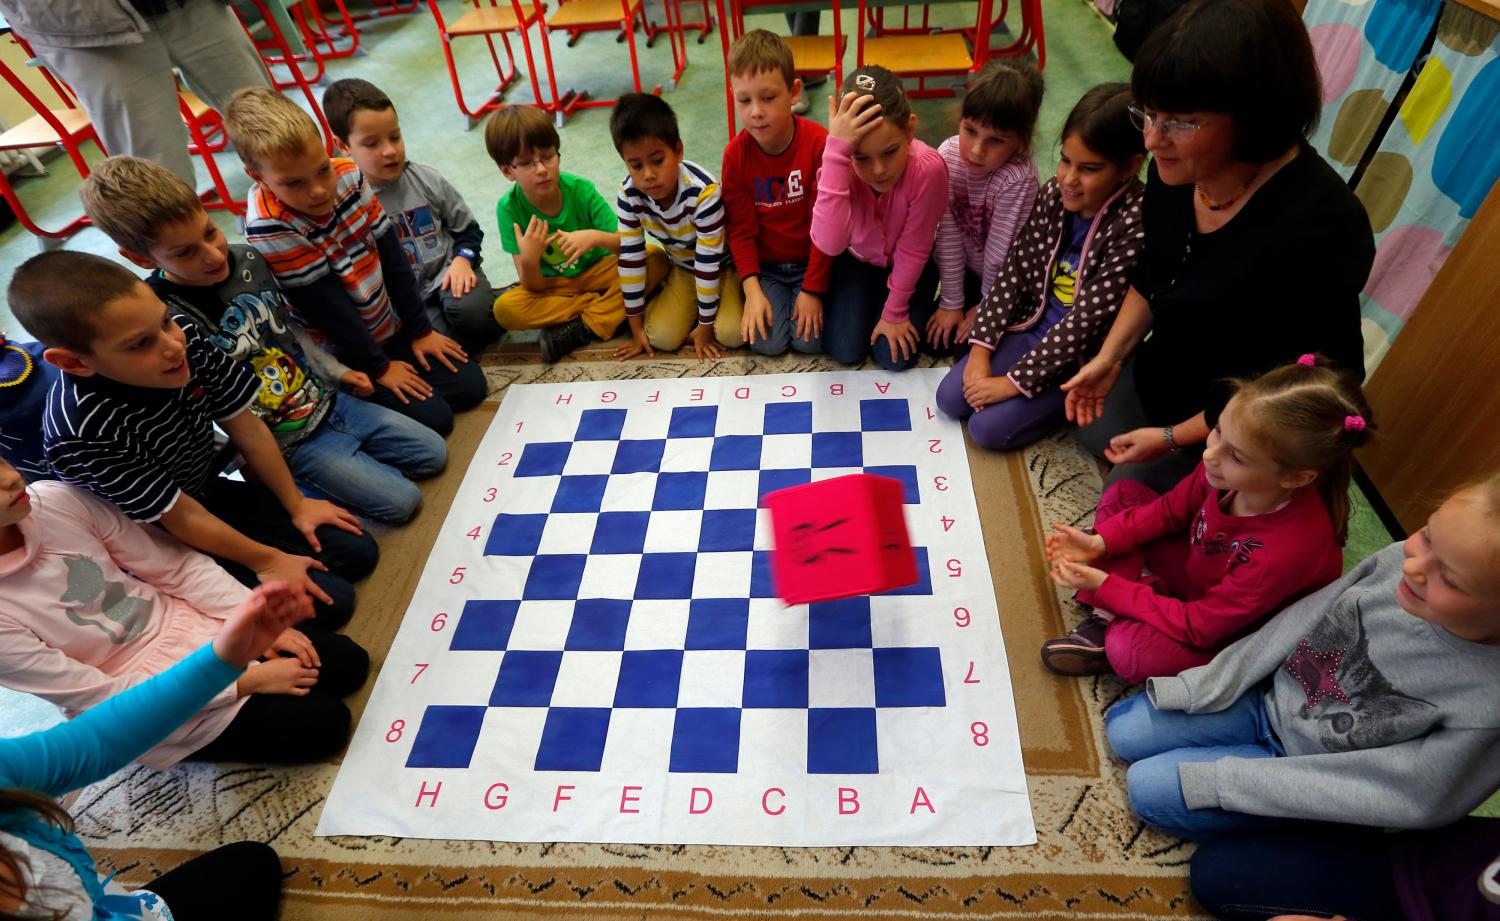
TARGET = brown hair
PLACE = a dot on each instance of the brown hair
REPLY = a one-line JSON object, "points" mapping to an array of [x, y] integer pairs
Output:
{"points": [[759, 51], [262, 123], [874, 80], [513, 130], [131, 199], [13, 800], [1310, 417], [344, 98], [1101, 119], [1006, 95], [56, 295]]}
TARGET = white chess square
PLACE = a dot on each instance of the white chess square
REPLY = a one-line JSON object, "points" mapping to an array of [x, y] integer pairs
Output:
{"points": [[893, 448], [657, 624], [587, 678], [568, 532], [712, 678], [508, 741], [629, 492], [764, 537], [610, 575], [526, 495], [841, 678], [626, 756], [828, 473], [785, 452], [773, 625], [670, 531], [501, 576], [590, 457], [723, 574], [732, 489], [687, 454], [650, 420], [541, 625], [773, 743], [741, 416], [837, 414], [463, 676], [894, 622]]}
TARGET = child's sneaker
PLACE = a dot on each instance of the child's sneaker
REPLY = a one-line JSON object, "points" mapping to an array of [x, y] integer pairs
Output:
{"points": [[1080, 652], [563, 338]]}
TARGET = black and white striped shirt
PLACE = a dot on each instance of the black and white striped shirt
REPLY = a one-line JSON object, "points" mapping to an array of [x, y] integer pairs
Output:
{"points": [[142, 447]]}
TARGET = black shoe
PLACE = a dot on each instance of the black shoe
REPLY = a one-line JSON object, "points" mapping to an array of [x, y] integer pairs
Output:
{"points": [[563, 338], [1080, 652]]}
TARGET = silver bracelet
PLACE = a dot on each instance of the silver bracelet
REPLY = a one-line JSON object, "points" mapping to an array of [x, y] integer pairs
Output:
{"points": [[1172, 446]]}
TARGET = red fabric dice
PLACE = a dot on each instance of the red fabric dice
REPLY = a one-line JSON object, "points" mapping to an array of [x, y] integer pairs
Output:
{"points": [[838, 538]]}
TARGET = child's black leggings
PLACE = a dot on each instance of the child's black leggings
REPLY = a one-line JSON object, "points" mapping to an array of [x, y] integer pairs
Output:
{"points": [[237, 882]]}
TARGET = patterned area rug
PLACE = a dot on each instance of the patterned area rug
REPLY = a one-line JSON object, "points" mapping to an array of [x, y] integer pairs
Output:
{"points": [[1093, 859]]}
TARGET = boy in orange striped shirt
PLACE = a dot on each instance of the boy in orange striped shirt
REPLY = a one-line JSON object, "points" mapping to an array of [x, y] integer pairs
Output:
{"points": [[338, 258]]}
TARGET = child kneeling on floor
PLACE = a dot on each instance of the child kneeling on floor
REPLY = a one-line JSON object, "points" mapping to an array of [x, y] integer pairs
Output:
{"points": [[1370, 702], [1259, 524]]}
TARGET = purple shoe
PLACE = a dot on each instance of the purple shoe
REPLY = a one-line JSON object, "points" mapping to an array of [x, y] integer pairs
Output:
{"points": [[1081, 652]]}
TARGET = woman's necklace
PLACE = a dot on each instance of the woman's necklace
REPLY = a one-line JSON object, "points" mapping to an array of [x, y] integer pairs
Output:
{"points": [[1228, 202]]}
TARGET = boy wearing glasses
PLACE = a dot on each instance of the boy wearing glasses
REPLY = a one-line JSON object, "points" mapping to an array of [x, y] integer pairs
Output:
{"points": [[562, 235], [438, 232]]}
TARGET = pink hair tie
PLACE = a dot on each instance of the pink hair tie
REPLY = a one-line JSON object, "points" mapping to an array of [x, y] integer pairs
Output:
{"points": [[1354, 423], [1311, 361]]}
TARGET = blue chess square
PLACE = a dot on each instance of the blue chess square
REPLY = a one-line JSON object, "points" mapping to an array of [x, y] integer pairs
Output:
{"points": [[639, 456], [515, 535], [889, 415], [772, 480], [923, 585], [706, 740], [598, 623], [840, 624], [447, 737], [727, 529], [600, 425], [909, 676], [679, 491], [837, 449], [666, 575], [760, 575], [907, 474], [735, 452], [693, 422], [718, 623], [573, 739], [649, 678], [842, 741], [543, 458], [788, 419], [580, 493], [485, 625], [526, 679], [620, 532], [554, 576], [776, 678]]}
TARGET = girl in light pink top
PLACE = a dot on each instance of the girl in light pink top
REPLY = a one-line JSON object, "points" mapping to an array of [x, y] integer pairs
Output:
{"points": [[881, 194]]}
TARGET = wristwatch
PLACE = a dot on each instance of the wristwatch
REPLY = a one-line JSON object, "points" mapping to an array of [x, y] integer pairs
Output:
{"points": [[1172, 445], [467, 252]]}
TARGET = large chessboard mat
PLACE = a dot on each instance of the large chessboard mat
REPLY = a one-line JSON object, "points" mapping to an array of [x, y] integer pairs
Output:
{"points": [[594, 652]]}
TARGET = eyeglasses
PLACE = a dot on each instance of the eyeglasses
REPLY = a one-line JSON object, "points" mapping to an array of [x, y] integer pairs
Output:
{"points": [[546, 159], [1170, 127]]}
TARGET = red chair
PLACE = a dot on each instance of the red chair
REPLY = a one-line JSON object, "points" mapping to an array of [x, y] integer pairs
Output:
{"points": [[812, 55], [916, 50], [488, 22], [579, 16], [318, 32], [275, 51]]}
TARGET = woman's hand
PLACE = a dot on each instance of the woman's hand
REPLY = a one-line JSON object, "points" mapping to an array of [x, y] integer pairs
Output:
{"points": [[1069, 543], [1087, 389], [266, 613], [1139, 446], [853, 116]]}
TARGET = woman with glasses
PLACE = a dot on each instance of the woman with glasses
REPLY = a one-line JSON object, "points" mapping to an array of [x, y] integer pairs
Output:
{"points": [[1255, 249]]}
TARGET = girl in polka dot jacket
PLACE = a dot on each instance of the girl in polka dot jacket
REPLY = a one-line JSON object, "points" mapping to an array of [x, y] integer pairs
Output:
{"points": [[1054, 297]]}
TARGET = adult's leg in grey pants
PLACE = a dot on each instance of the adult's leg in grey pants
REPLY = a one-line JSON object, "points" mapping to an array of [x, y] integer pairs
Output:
{"points": [[803, 23], [1123, 413], [206, 40]]}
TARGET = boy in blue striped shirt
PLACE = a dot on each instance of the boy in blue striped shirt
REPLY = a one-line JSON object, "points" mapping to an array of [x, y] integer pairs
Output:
{"points": [[676, 203]]}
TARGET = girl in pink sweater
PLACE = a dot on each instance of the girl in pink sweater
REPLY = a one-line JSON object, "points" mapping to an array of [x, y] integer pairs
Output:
{"points": [[92, 603], [1264, 519], [881, 194]]}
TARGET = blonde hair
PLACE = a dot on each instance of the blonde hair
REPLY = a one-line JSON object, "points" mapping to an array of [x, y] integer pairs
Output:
{"points": [[759, 51], [262, 123], [131, 199], [1310, 416]]}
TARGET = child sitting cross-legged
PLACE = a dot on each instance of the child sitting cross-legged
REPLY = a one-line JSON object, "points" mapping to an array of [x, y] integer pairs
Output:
{"points": [[1371, 702], [337, 445], [675, 203], [562, 235], [1260, 523], [132, 418], [338, 258]]}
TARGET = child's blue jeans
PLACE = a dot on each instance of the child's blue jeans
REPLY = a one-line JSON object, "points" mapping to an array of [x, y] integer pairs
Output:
{"points": [[364, 457], [1156, 741], [781, 282]]}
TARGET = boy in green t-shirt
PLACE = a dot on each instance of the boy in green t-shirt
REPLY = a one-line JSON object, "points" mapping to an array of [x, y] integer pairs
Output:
{"points": [[561, 232]]}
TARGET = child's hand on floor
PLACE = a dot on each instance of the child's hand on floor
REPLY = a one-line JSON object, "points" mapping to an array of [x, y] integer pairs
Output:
{"points": [[942, 328], [807, 313], [294, 643], [705, 344], [756, 321], [281, 675], [460, 278], [284, 567], [902, 337], [533, 241], [853, 116], [358, 383], [310, 514], [403, 380], [1138, 446], [638, 343], [989, 390], [436, 345], [267, 612], [1077, 576], [1069, 543]]}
